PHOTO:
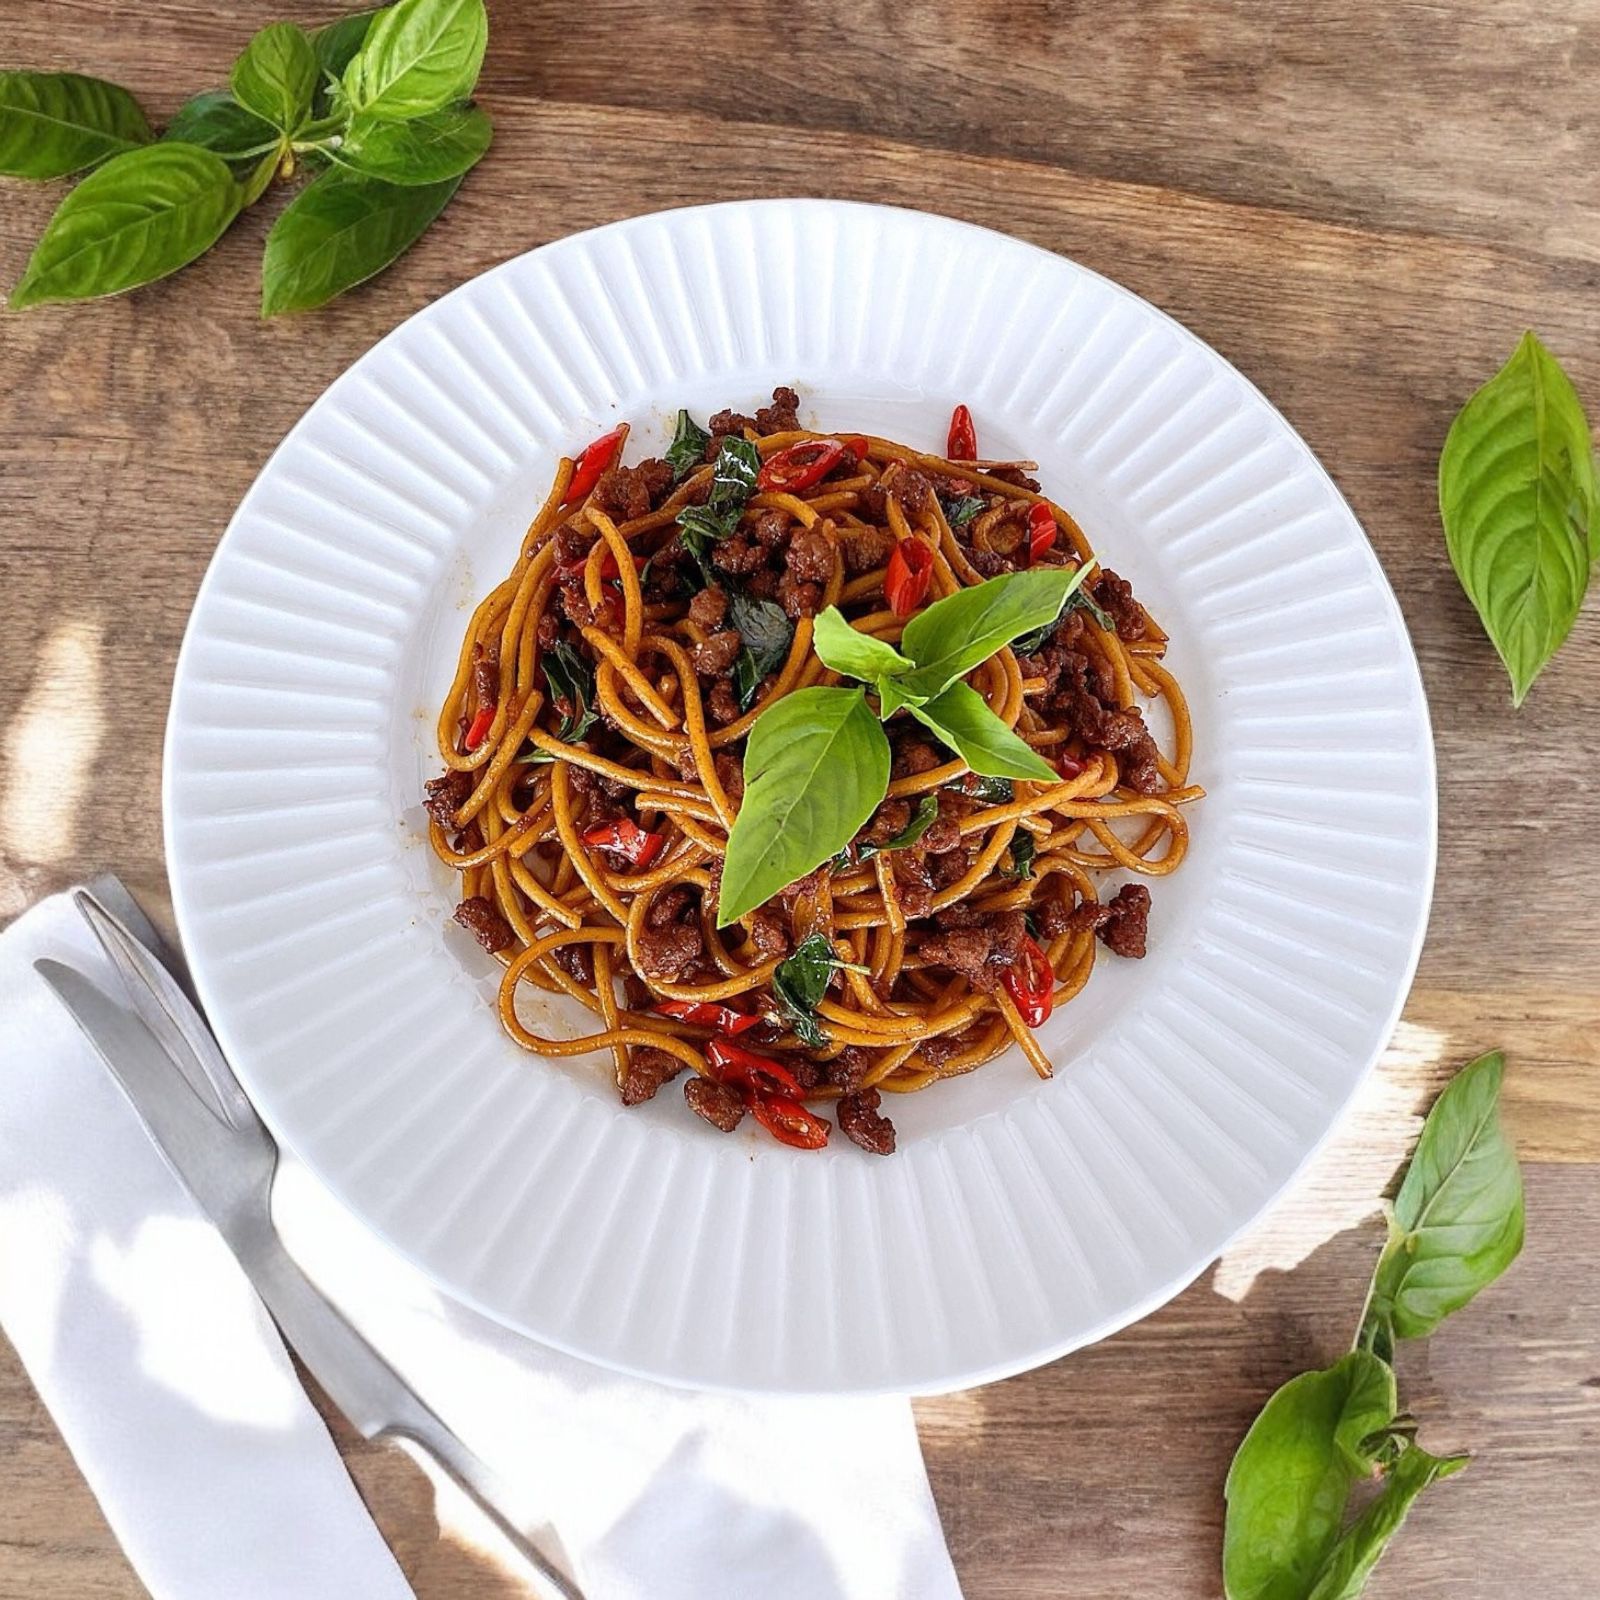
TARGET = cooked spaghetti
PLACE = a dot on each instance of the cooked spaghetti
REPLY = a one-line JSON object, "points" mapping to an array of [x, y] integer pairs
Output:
{"points": [[593, 739]]}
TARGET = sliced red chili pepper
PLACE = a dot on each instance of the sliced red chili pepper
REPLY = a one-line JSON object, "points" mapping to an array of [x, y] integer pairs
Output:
{"points": [[789, 1122], [858, 447], [708, 1014], [905, 584], [1031, 983], [481, 724], [593, 461], [798, 466], [1041, 529], [626, 838], [1070, 766], [732, 1063], [962, 444]]}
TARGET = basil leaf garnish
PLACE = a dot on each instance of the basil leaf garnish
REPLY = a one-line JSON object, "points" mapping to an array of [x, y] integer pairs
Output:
{"points": [[959, 510], [688, 448], [1457, 1222], [1291, 1478], [276, 76], [417, 56], [734, 473], [767, 633], [426, 149], [852, 652], [340, 231], [143, 214], [55, 123], [960, 719], [1022, 851], [571, 683], [816, 765], [216, 121], [1521, 508], [799, 985]]}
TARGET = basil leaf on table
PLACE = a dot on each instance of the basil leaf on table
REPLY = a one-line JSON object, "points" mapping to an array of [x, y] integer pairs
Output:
{"points": [[816, 765], [143, 214], [960, 718], [1521, 509], [55, 123], [339, 232], [960, 632], [335, 43], [1291, 1478], [216, 121], [852, 652], [1457, 1222], [418, 56], [1345, 1572], [688, 447], [276, 76], [425, 149], [767, 633]]}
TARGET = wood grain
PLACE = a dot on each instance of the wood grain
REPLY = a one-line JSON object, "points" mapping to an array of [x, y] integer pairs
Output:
{"points": [[1360, 207]]}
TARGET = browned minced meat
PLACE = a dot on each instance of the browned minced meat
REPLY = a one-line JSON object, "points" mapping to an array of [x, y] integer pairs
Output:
{"points": [[1053, 917], [913, 882], [798, 598], [648, 1069], [891, 818], [627, 492], [939, 1049], [730, 774], [944, 832], [770, 527], [718, 653], [948, 868], [1123, 921], [738, 554], [1013, 475], [1076, 703], [636, 993], [486, 673], [1115, 596], [716, 1102], [481, 918], [848, 1068], [913, 756], [575, 961], [782, 416], [769, 934], [981, 952], [670, 943], [446, 796], [862, 1123], [722, 703], [549, 629], [865, 549], [810, 556], [573, 543], [763, 585], [708, 608], [723, 423]]}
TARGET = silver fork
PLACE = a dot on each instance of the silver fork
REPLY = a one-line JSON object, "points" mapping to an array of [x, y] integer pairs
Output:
{"points": [[173, 1072]]}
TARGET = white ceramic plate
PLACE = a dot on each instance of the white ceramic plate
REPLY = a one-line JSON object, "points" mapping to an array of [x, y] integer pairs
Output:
{"points": [[1019, 1219]]}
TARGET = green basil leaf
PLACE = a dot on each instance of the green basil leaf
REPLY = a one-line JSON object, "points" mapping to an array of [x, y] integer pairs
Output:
{"points": [[852, 652], [963, 630], [960, 719], [426, 149], [959, 510], [335, 43], [991, 791], [1521, 509], [1022, 851], [922, 819], [1343, 1575], [53, 123], [216, 121], [1458, 1218], [277, 76], [893, 696], [701, 528], [340, 231], [733, 474], [815, 767], [767, 633], [145, 213], [1291, 1477], [571, 684], [688, 447], [259, 179], [418, 56], [1079, 600], [799, 985]]}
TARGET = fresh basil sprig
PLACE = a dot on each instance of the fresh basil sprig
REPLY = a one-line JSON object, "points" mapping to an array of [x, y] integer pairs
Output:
{"points": [[800, 982], [817, 762], [1521, 508], [380, 96], [1457, 1226]]}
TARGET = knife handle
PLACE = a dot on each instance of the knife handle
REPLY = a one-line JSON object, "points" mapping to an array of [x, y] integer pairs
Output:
{"points": [[376, 1398]]}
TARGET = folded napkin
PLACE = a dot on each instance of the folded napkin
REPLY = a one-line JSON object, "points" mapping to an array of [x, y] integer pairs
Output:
{"points": [[176, 1396]]}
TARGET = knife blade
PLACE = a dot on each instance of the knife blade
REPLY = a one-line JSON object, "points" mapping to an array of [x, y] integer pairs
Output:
{"points": [[227, 1166]]}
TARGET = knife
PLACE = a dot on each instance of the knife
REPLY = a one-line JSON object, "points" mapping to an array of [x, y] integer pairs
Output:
{"points": [[169, 1066]]}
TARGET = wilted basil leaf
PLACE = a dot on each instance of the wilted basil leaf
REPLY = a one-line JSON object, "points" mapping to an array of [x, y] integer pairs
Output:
{"points": [[922, 819], [571, 684], [734, 473], [801, 981], [688, 447], [53, 123], [991, 791], [960, 510], [1022, 851], [767, 633]]}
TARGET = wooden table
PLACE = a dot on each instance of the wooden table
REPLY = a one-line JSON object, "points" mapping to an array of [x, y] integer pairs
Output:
{"points": [[1361, 207]]}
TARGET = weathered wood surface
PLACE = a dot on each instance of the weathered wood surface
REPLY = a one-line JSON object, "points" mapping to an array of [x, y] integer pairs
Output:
{"points": [[1361, 207]]}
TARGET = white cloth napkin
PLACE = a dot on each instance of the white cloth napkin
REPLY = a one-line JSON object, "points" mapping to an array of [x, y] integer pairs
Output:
{"points": [[171, 1386]]}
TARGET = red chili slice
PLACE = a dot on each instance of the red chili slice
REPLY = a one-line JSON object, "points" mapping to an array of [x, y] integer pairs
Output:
{"points": [[789, 1122], [732, 1063], [905, 584], [481, 724], [593, 461], [1031, 983], [626, 838], [1041, 529], [708, 1014], [1070, 766], [962, 444], [858, 447], [798, 466]]}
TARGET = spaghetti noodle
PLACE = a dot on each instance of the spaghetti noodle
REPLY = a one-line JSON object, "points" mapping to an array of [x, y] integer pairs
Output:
{"points": [[592, 740]]}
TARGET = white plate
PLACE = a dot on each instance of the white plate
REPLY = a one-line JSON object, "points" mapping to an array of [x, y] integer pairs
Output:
{"points": [[1019, 1219]]}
